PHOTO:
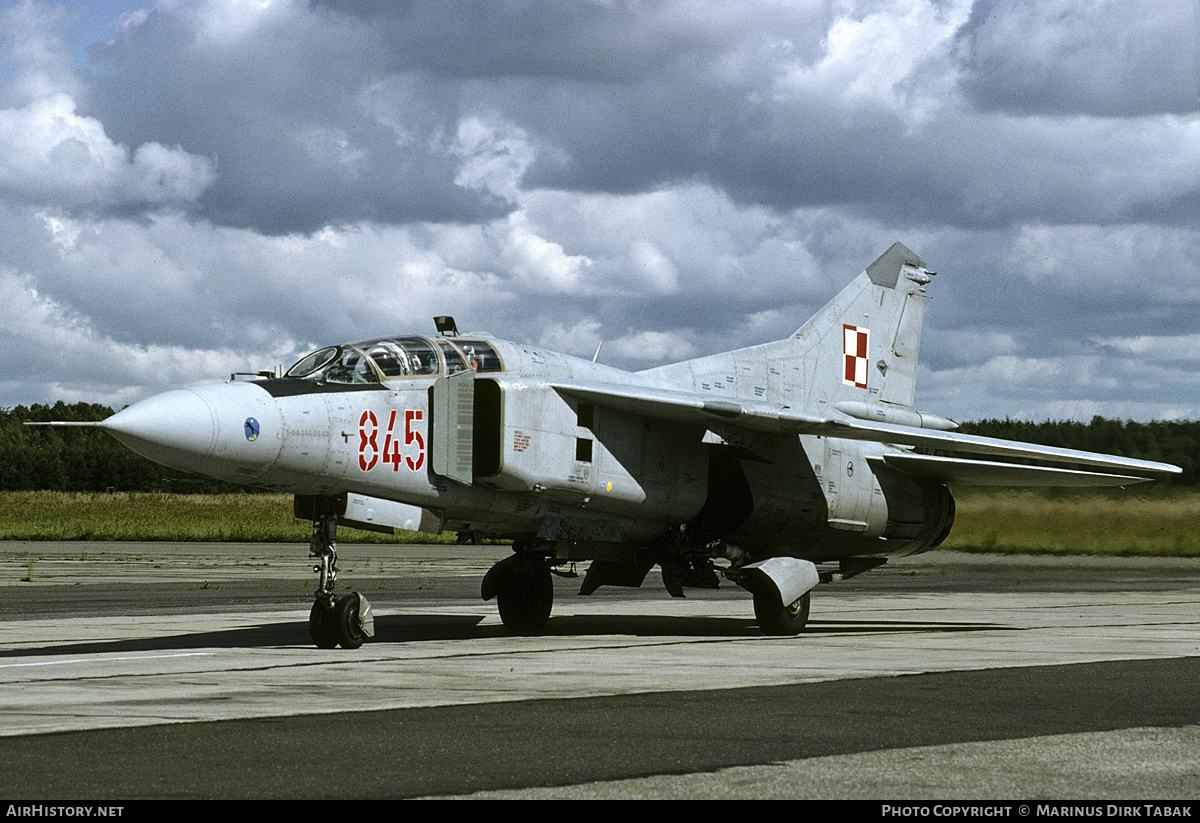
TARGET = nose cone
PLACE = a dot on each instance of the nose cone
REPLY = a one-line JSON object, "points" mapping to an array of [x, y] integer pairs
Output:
{"points": [[230, 431], [176, 428]]}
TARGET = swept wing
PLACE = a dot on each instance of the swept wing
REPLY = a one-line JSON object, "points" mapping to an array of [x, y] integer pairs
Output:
{"points": [[693, 407]]}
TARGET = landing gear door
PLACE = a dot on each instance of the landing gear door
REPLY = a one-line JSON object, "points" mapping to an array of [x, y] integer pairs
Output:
{"points": [[454, 426]]}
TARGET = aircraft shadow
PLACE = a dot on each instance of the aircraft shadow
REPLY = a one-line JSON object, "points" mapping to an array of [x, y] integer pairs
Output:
{"points": [[411, 628], [683, 626]]}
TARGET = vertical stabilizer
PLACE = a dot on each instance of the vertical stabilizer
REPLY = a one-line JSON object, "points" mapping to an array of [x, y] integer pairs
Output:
{"points": [[860, 348], [863, 345]]}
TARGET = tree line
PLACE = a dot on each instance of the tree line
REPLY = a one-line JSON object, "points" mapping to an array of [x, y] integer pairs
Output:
{"points": [[40, 458], [51, 458], [1167, 441]]}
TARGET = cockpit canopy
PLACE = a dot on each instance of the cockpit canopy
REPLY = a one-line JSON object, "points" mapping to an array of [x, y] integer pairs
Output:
{"points": [[391, 358]]}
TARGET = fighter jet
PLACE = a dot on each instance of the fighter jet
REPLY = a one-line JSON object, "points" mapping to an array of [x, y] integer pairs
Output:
{"points": [[778, 467]]}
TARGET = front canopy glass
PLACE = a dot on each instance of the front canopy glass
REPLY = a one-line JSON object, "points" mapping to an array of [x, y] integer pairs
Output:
{"points": [[390, 358], [336, 364]]}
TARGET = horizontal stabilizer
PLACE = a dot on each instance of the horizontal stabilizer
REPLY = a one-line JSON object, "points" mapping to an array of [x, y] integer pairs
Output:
{"points": [[975, 444], [989, 473]]}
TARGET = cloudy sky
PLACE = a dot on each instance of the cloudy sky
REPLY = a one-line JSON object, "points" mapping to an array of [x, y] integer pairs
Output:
{"points": [[191, 188]]}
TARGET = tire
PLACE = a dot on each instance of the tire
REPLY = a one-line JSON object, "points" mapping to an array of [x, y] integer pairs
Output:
{"points": [[346, 622], [788, 621], [321, 627], [525, 598]]}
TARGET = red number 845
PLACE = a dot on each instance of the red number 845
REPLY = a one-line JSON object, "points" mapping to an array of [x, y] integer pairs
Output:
{"points": [[369, 452]]}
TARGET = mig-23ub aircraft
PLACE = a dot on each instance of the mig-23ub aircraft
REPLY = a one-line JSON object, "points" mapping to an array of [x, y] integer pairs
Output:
{"points": [[779, 466]]}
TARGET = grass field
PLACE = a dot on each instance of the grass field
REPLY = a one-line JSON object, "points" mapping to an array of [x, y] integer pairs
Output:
{"points": [[1159, 522], [252, 518]]}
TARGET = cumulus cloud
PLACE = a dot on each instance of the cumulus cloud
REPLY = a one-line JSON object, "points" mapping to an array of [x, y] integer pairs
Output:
{"points": [[56, 349], [39, 63], [651, 347], [51, 155]]}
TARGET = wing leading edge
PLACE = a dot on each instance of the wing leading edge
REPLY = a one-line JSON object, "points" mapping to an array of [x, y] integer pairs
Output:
{"points": [[692, 407]]}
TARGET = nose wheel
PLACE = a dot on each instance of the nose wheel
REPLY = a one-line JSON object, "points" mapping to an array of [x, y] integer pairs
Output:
{"points": [[346, 621]]}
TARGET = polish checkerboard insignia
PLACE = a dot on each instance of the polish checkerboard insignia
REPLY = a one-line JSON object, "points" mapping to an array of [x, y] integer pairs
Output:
{"points": [[855, 341]]}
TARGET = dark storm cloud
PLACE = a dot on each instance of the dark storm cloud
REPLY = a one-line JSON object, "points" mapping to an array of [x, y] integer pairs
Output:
{"points": [[615, 43], [778, 106], [347, 112], [1060, 57], [304, 123]]}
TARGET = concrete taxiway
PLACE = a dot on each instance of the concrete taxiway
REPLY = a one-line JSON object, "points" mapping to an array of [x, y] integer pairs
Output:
{"points": [[151, 670]]}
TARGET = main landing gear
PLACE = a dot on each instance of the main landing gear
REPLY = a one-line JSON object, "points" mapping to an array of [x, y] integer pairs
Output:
{"points": [[781, 587], [524, 592], [781, 621], [346, 621]]}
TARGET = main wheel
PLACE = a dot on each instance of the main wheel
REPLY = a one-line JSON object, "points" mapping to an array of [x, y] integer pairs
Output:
{"points": [[321, 627], [786, 621], [347, 622], [525, 597]]}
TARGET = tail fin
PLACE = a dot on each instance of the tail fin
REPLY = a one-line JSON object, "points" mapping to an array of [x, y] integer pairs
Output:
{"points": [[861, 347], [864, 343]]}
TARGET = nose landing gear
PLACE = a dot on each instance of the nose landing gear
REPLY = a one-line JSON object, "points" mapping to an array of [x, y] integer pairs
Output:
{"points": [[346, 621]]}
